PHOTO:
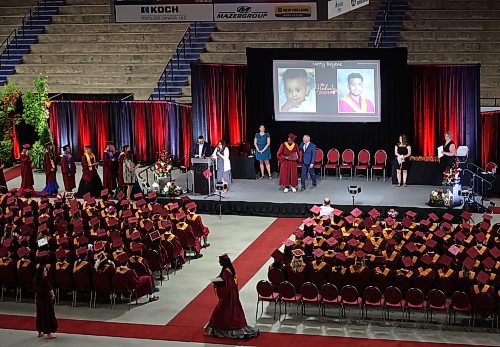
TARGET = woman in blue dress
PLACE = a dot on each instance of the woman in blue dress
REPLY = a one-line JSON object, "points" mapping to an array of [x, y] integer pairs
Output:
{"points": [[262, 143]]}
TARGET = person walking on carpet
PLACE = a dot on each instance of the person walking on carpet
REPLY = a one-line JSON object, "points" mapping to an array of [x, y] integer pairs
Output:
{"points": [[228, 318]]}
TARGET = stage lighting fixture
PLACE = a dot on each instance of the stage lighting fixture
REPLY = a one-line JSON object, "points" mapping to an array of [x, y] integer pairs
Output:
{"points": [[353, 190]]}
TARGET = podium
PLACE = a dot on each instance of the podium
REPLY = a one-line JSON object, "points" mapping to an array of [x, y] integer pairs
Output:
{"points": [[202, 185]]}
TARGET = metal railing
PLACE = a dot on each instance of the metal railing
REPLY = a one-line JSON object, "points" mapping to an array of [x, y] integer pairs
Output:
{"points": [[26, 21], [381, 27], [479, 185], [495, 103], [167, 75], [144, 170]]}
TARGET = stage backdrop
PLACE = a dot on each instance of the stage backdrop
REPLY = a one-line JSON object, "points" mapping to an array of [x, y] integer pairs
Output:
{"points": [[446, 98], [395, 95], [490, 130], [219, 102], [147, 126]]}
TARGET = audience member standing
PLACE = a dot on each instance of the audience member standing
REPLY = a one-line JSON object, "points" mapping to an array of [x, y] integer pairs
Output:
{"points": [[46, 322]]}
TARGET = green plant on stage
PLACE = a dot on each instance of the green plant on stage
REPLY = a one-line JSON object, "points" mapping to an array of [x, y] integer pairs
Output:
{"points": [[9, 96], [5, 150], [36, 114]]}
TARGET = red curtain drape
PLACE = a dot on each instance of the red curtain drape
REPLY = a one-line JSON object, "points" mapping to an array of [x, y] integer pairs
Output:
{"points": [[92, 126], [159, 130], [54, 126], [445, 98], [140, 134], [187, 134], [490, 143]]}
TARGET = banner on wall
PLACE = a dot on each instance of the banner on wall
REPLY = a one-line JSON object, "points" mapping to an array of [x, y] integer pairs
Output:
{"points": [[133, 11], [340, 7]]}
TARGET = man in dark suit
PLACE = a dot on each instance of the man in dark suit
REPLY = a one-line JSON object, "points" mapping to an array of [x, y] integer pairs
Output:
{"points": [[308, 150], [201, 149]]}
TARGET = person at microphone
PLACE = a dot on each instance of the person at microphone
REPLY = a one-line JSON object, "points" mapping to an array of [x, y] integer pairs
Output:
{"points": [[201, 149], [222, 164]]}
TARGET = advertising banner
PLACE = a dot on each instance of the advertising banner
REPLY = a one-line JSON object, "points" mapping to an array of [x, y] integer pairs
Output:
{"points": [[255, 12], [339, 7], [164, 13]]}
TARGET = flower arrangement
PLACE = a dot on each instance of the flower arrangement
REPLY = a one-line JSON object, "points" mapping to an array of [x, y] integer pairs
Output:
{"points": [[436, 198], [171, 189], [451, 175], [425, 159], [10, 96], [163, 166], [392, 213]]}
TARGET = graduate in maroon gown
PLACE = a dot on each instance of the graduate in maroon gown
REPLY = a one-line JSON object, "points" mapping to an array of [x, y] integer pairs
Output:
{"points": [[288, 156], [50, 168], [228, 318], [46, 322], [108, 160], [68, 169], [121, 157], [27, 181], [90, 182], [3, 182]]}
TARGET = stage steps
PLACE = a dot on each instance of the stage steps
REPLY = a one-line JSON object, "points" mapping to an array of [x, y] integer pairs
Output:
{"points": [[388, 24], [29, 22], [174, 81], [83, 53], [454, 32]]}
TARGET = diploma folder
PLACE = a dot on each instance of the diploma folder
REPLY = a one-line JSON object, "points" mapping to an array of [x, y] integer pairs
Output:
{"points": [[217, 280]]}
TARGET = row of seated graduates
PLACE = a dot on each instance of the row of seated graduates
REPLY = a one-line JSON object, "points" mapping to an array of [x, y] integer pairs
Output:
{"points": [[76, 236], [431, 253]]}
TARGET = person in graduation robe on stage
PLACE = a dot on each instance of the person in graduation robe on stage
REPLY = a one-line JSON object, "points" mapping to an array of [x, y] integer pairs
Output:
{"points": [[50, 168], [108, 160], [46, 322], [121, 158], [90, 182], [288, 156], [27, 180], [228, 318], [3, 182], [68, 169]]}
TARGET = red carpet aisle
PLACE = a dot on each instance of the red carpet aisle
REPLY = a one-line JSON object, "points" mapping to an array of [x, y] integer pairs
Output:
{"points": [[188, 324], [12, 173]]}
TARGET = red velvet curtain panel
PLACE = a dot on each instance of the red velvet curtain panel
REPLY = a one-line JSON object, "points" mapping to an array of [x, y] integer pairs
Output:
{"points": [[92, 126], [140, 133], [219, 102], [54, 126], [160, 127], [445, 98], [490, 144]]}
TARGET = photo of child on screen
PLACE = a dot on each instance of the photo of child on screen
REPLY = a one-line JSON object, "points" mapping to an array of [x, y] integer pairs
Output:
{"points": [[355, 102], [297, 90]]}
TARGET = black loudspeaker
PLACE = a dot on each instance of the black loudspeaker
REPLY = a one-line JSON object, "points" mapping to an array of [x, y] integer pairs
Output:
{"points": [[200, 182]]}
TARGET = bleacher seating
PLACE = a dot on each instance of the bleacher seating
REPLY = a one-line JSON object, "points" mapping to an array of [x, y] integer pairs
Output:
{"points": [[82, 52], [457, 31], [419, 265], [87, 240]]}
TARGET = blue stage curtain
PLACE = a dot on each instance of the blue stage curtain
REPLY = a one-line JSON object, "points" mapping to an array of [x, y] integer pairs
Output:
{"points": [[219, 102], [446, 98], [146, 126]]}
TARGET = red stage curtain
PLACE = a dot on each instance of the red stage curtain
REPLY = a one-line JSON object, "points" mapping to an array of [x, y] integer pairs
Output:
{"points": [[187, 133], [445, 98], [490, 144], [219, 102], [140, 133], [92, 126], [54, 126]]}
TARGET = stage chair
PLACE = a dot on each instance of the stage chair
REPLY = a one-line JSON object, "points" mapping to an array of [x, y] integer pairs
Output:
{"points": [[310, 295], [363, 163], [63, 281], [436, 301], [318, 163], [347, 161], [415, 301], [25, 276], [265, 293], [102, 284], [372, 297], [333, 158], [393, 299], [380, 162], [83, 284], [460, 304], [8, 279], [491, 167], [155, 263], [330, 296], [350, 298], [288, 295]]}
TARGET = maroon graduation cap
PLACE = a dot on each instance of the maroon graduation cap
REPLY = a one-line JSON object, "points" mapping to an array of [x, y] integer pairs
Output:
{"points": [[433, 217], [288, 243], [488, 263], [368, 222], [406, 222], [389, 221], [466, 215], [319, 229], [152, 195], [277, 255], [426, 259], [337, 212], [308, 240], [485, 226], [374, 213], [101, 233], [315, 209], [431, 243], [472, 252], [448, 217], [357, 233], [298, 233], [120, 195], [445, 260], [331, 241], [298, 252], [360, 254], [60, 253], [318, 253], [411, 214], [487, 217], [308, 222], [135, 235], [353, 242], [407, 261], [482, 277], [453, 249], [148, 225], [340, 256], [127, 213], [410, 246], [495, 252], [122, 258], [349, 219], [98, 246], [137, 247], [356, 212], [155, 235], [469, 263]]}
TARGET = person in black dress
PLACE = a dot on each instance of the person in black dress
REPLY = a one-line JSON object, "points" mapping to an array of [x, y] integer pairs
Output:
{"points": [[449, 151], [402, 151], [46, 322]]}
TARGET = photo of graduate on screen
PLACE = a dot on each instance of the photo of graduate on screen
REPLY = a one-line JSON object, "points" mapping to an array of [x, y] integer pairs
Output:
{"points": [[296, 90], [356, 91]]}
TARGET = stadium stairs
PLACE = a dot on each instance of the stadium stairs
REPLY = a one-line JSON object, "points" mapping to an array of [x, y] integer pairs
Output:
{"points": [[84, 54], [20, 24], [453, 32], [174, 82], [388, 23]]}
